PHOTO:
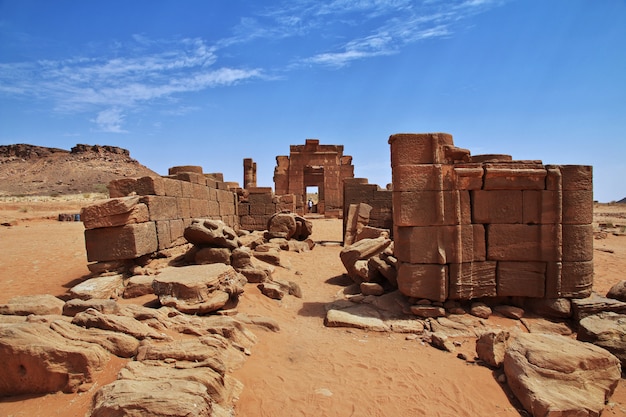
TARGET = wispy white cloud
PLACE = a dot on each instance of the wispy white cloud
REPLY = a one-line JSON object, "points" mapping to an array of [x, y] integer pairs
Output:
{"points": [[110, 120], [108, 84]]}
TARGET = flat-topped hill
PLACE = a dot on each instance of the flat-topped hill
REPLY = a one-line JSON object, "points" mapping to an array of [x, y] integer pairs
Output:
{"points": [[36, 170]]}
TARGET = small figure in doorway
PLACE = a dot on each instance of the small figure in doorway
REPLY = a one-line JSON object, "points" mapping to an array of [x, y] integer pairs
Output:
{"points": [[310, 203]]}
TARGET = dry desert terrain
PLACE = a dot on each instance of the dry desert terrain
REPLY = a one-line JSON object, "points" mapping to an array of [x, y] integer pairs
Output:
{"points": [[306, 369]]}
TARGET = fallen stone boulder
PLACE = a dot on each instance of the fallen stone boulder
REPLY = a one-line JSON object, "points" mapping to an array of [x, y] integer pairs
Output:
{"points": [[594, 304], [119, 344], [32, 304], [138, 285], [359, 251], [158, 398], [356, 316], [100, 287], [288, 226], [211, 233], [607, 330], [618, 291], [553, 375], [490, 347], [37, 360], [198, 289], [76, 305], [122, 324]]}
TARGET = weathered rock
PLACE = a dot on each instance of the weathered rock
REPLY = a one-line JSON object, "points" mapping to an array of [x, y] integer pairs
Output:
{"points": [[92, 318], [198, 289], [594, 304], [440, 341], [256, 275], [426, 311], [357, 316], [138, 285], [358, 217], [300, 246], [490, 347], [32, 304], [241, 258], [212, 233], [100, 287], [618, 291], [114, 212], [371, 288], [406, 326], [214, 351], [162, 398], [607, 330], [219, 387], [511, 312], [361, 250], [267, 254], [386, 270], [272, 290], [76, 305], [119, 344], [554, 375], [480, 310], [281, 225], [550, 307], [37, 360], [451, 328], [212, 256], [293, 288], [539, 325]]}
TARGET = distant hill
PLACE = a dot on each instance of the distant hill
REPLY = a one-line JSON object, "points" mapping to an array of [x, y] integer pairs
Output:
{"points": [[27, 170], [622, 201]]}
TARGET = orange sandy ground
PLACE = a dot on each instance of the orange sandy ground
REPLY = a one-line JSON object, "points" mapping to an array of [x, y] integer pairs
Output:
{"points": [[306, 369]]}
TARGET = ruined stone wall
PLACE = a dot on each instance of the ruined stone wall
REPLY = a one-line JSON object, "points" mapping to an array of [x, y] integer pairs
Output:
{"points": [[358, 190], [259, 204], [148, 214], [314, 165], [469, 227]]}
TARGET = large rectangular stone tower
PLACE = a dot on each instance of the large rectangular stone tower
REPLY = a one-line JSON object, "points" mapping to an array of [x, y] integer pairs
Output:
{"points": [[485, 226]]}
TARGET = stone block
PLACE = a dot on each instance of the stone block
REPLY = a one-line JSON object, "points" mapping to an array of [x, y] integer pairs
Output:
{"points": [[123, 242], [214, 208], [524, 242], [423, 177], [184, 168], [186, 189], [199, 208], [521, 279], [161, 207], [497, 206], [542, 207], [210, 182], [225, 196], [244, 209], [164, 236], [172, 187], [137, 214], [200, 191], [578, 207], [472, 280], [418, 148], [183, 208], [468, 176], [554, 178], [177, 229], [434, 244], [514, 177], [577, 177], [553, 279], [191, 177], [141, 186], [480, 244], [576, 279], [423, 281], [577, 243], [257, 209], [431, 208], [227, 209]]}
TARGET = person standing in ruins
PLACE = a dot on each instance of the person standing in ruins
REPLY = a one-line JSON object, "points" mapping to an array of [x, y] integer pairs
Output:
{"points": [[310, 203]]}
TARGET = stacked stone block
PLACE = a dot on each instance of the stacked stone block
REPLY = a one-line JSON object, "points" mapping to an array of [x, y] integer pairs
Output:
{"points": [[358, 190], [260, 204], [148, 214], [471, 227]]}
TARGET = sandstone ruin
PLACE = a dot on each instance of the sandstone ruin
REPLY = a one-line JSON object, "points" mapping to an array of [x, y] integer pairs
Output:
{"points": [[453, 234]]}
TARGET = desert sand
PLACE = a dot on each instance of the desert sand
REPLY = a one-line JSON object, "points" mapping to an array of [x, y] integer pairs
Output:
{"points": [[306, 369]]}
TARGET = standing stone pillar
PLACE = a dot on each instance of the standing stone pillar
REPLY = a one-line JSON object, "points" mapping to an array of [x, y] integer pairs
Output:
{"points": [[249, 173]]}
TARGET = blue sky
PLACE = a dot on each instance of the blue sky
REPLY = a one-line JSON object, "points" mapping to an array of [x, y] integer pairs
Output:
{"points": [[212, 82]]}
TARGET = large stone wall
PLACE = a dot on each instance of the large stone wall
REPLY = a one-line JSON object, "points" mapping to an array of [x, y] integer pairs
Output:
{"points": [[488, 226], [314, 165], [358, 190], [258, 204], [148, 214]]}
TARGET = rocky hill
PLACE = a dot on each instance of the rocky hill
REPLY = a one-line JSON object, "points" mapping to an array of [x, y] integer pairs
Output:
{"points": [[27, 170]]}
